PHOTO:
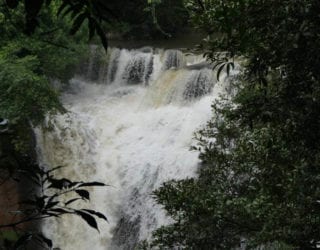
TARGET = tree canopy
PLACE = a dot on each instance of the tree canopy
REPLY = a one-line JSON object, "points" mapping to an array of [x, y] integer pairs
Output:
{"points": [[30, 62], [258, 180]]}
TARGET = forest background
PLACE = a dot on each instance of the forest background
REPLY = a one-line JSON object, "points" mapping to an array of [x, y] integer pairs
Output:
{"points": [[258, 181]]}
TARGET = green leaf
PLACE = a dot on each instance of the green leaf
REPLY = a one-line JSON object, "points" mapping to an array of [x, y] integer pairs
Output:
{"points": [[102, 36], [63, 6], [77, 23]]}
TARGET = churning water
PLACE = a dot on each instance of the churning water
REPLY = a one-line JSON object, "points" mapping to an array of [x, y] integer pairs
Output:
{"points": [[131, 119]]}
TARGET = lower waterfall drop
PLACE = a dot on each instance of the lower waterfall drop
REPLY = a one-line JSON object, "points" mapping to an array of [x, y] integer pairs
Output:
{"points": [[132, 137]]}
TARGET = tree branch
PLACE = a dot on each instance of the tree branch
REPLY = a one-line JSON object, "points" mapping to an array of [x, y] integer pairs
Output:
{"points": [[35, 218]]}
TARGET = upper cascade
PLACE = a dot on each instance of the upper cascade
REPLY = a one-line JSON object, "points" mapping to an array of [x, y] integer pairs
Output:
{"points": [[179, 77], [173, 59]]}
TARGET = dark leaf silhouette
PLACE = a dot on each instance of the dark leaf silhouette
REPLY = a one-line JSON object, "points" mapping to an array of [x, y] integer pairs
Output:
{"points": [[89, 184], [88, 218], [51, 204], [219, 71], [217, 64], [83, 193], [22, 241], [62, 7], [46, 240], [99, 215], [59, 184], [102, 36], [77, 23], [54, 169], [71, 201], [40, 202]]}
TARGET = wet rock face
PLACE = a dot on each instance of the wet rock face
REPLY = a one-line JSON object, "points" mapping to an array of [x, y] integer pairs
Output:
{"points": [[9, 189], [15, 184], [9, 199], [12, 192]]}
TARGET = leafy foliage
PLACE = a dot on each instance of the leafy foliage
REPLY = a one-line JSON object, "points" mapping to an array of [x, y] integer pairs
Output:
{"points": [[132, 19], [259, 173], [24, 94], [35, 49], [80, 11], [143, 19], [29, 63], [50, 202]]}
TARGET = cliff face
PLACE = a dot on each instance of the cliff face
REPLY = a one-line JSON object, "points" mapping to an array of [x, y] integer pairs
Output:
{"points": [[9, 193], [9, 202], [15, 187]]}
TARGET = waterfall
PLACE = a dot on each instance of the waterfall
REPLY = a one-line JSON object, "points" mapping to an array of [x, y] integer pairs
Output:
{"points": [[130, 124]]}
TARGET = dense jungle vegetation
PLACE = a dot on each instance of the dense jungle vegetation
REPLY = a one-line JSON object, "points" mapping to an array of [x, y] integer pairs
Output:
{"points": [[258, 183], [31, 58]]}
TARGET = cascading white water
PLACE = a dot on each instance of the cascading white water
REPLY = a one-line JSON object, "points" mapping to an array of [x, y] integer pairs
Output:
{"points": [[132, 131]]}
